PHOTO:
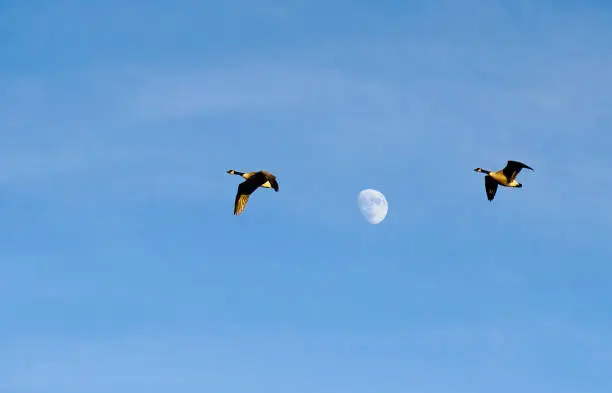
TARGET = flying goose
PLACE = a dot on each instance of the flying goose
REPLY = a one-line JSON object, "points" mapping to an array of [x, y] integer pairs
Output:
{"points": [[253, 181], [506, 177]]}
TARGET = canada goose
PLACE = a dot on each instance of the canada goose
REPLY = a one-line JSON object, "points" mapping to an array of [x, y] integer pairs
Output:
{"points": [[506, 177], [253, 181]]}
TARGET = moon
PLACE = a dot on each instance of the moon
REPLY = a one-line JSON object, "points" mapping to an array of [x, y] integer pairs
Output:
{"points": [[373, 205]]}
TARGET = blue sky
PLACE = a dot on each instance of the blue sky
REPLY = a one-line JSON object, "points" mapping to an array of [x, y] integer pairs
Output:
{"points": [[123, 269]]}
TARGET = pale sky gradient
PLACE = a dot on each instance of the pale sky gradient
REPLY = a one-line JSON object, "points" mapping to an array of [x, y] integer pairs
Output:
{"points": [[123, 270]]}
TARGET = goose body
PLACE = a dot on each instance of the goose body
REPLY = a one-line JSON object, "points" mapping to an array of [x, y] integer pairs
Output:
{"points": [[253, 180], [505, 177]]}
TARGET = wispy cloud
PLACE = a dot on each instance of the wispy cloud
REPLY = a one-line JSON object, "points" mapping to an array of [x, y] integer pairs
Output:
{"points": [[447, 101]]}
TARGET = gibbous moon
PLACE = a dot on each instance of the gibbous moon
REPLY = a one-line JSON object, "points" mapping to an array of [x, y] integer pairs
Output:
{"points": [[373, 205]]}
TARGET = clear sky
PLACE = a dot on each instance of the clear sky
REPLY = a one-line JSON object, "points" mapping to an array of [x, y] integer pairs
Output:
{"points": [[122, 268]]}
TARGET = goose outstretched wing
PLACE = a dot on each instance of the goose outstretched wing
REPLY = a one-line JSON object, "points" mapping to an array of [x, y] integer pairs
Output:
{"points": [[512, 169], [490, 187]]}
